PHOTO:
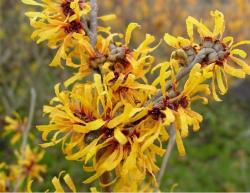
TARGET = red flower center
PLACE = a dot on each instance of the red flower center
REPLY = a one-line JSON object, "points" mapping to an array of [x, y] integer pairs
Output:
{"points": [[73, 26]]}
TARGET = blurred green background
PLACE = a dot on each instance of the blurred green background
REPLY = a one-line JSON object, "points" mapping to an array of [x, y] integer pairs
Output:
{"points": [[218, 156]]}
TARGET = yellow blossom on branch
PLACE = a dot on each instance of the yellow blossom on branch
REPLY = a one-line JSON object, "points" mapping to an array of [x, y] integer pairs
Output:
{"points": [[28, 165], [15, 126]]}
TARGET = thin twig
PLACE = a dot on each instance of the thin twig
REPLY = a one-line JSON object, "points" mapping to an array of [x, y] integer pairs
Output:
{"points": [[30, 118], [166, 157], [93, 22], [106, 177], [26, 134], [85, 26]]}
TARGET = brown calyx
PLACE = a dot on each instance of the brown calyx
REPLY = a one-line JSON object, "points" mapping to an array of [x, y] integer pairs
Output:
{"points": [[73, 26]]}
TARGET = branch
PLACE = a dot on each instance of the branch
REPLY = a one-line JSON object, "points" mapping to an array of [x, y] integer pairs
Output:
{"points": [[31, 115], [166, 157], [93, 22], [183, 72], [26, 134], [85, 26]]}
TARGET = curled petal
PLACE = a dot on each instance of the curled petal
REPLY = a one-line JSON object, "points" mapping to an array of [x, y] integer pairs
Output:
{"points": [[120, 137], [219, 23], [129, 31], [179, 142], [239, 73]]}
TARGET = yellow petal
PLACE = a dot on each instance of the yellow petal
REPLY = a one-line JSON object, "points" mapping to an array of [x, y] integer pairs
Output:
{"points": [[219, 23], [184, 123], [128, 112], [228, 40], [239, 52], [69, 182], [204, 99], [144, 46], [190, 29], [74, 78], [57, 185], [120, 137], [202, 29], [85, 43], [29, 184], [59, 55], [107, 17], [130, 162], [32, 2], [93, 190], [169, 117], [156, 67], [215, 96], [91, 126], [244, 65], [239, 73], [157, 150], [129, 31], [244, 42], [179, 143], [220, 82], [150, 140], [171, 40]]}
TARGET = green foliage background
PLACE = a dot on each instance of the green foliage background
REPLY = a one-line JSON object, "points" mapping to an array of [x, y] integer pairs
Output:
{"points": [[218, 156]]}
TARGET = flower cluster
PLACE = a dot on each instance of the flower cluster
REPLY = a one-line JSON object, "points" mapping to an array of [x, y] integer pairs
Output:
{"points": [[15, 126], [26, 168], [114, 123]]}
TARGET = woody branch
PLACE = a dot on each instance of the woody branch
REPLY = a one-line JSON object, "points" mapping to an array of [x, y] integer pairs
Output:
{"points": [[26, 134], [93, 22], [183, 73]]}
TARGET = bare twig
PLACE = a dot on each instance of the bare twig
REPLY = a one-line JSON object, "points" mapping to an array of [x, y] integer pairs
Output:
{"points": [[30, 118], [93, 22], [107, 176], [85, 26], [25, 135], [166, 157]]}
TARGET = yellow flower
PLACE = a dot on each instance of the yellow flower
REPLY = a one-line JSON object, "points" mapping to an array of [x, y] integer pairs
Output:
{"points": [[186, 49], [137, 61], [127, 88], [90, 59], [28, 165], [56, 181], [204, 32], [15, 126], [105, 132], [113, 58], [3, 185], [68, 181], [56, 23], [60, 23], [4, 180], [74, 116], [221, 58], [224, 59], [179, 106], [167, 70]]}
